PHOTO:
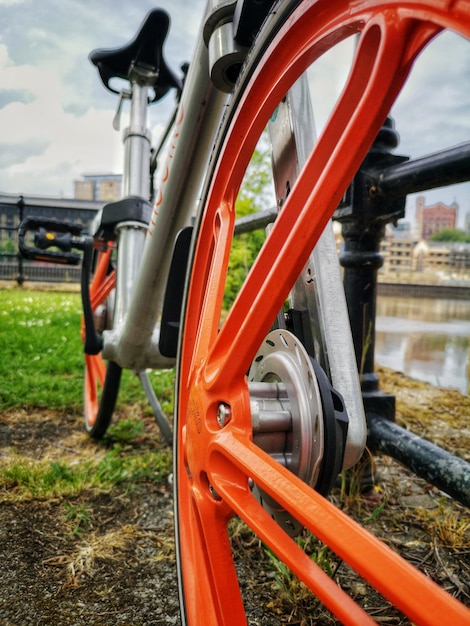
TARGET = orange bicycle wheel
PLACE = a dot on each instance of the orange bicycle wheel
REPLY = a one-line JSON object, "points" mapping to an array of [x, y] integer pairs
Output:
{"points": [[101, 384], [216, 458]]}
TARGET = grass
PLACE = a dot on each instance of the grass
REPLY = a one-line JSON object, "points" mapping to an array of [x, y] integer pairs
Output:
{"points": [[79, 516], [443, 525], [42, 367], [41, 359], [23, 478], [41, 355]]}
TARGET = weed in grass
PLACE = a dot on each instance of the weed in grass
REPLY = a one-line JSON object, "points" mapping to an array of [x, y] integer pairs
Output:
{"points": [[293, 594], [79, 516], [81, 562], [125, 430], [293, 591], [375, 513], [358, 479]]}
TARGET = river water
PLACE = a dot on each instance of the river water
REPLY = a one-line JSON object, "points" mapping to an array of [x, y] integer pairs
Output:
{"points": [[427, 339]]}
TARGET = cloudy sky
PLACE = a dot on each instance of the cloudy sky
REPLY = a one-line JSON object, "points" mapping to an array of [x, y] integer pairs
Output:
{"points": [[55, 116]]}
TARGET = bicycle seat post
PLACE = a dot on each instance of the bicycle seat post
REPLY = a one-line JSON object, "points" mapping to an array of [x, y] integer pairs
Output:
{"points": [[136, 178], [136, 183], [141, 64]]}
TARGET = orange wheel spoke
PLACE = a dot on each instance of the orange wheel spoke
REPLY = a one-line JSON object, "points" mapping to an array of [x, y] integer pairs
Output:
{"points": [[104, 290], [103, 283], [214, 248], [98, 414], [377, 75], [95, 372], [210, 554], [234, 460]]}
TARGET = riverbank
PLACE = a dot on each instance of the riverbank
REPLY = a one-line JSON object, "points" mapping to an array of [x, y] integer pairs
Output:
{"points": [[423, 290]]}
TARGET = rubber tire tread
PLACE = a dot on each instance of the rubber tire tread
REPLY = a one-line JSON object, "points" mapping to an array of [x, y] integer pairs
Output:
{"points": [[107, 401]]}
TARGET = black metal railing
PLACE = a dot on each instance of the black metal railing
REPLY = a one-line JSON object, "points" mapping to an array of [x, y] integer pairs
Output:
{"points": [[376, 198]]}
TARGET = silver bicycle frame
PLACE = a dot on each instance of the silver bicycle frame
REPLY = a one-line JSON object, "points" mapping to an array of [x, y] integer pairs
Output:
{"points": [[319, 289], [133, 342]]}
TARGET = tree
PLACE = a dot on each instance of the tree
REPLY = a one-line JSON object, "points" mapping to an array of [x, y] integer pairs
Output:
{"points": [[8, 249], [451, 235]]}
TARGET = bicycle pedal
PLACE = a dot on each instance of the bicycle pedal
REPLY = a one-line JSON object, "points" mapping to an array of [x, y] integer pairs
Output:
{"points": [[50, 241]]}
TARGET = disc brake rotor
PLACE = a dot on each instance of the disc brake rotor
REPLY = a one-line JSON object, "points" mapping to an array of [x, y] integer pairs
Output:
{"points": [[283, 360]]}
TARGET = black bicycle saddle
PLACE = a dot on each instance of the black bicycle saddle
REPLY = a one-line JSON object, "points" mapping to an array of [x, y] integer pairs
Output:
{"points": [[142, 58]]}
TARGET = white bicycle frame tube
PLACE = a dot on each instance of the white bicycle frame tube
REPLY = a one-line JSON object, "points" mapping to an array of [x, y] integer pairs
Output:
{"points": [[133, 342]]}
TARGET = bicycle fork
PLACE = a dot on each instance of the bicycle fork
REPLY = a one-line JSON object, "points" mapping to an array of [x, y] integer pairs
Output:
{"points": [[318, 295]]}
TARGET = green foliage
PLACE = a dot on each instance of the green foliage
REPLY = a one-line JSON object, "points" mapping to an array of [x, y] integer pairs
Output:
{"points": [[255, 189], [8, 246], [292, 591], [79, 516], [452, 235], [254, 196]]}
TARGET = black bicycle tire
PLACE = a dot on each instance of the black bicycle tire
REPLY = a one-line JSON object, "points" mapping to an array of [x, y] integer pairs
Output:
{"points": [[107, 402]]}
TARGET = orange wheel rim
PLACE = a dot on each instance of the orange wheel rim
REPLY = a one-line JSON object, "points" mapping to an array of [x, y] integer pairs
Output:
{"points": [[214, 464]]}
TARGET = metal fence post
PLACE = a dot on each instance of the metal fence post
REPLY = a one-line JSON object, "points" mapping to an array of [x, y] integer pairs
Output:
{"points": [[363, 215], [20, 276]]}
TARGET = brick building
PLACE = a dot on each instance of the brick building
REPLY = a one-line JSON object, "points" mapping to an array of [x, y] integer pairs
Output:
{"points": [[432, 219]]}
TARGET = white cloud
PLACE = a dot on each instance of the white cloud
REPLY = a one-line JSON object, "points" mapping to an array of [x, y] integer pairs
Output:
{"points": [[76, 145], [70, 144], [432, 112]]}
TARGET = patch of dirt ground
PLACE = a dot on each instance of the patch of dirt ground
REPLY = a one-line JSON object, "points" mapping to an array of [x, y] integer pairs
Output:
{"points": [[105, 555]]}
